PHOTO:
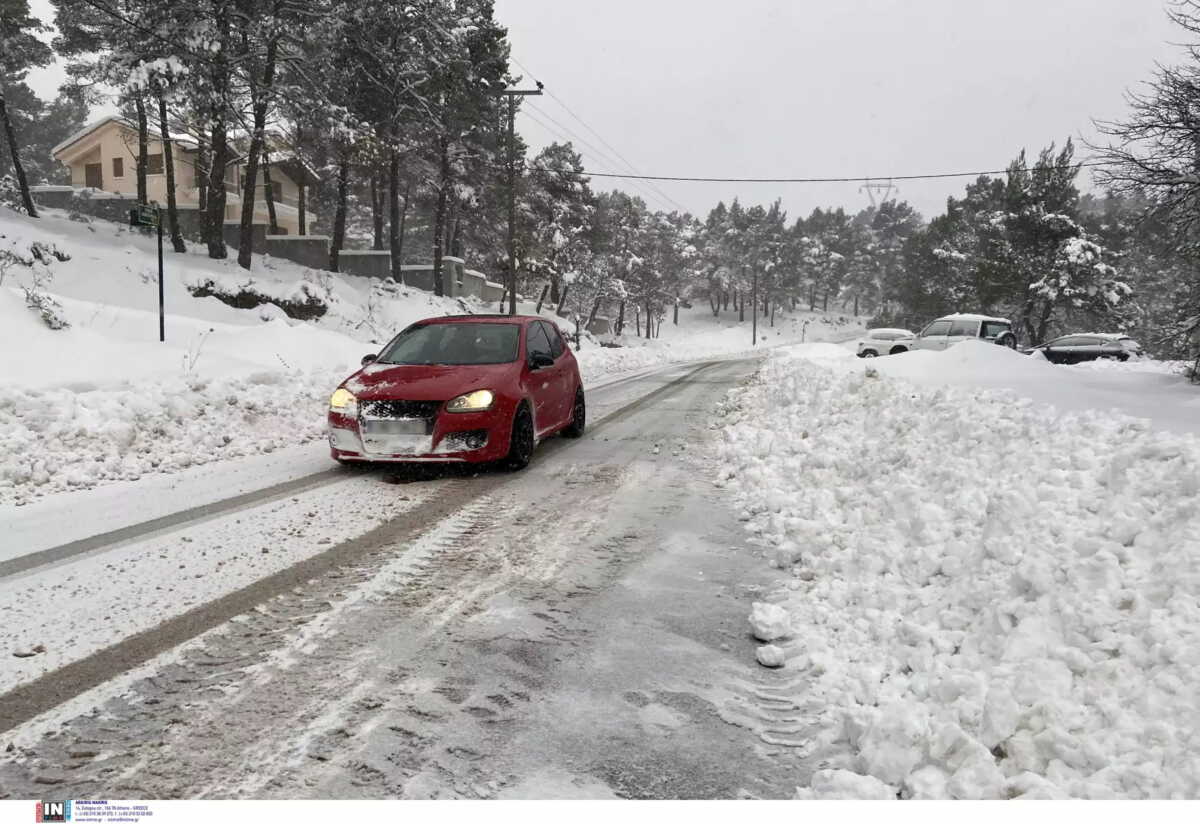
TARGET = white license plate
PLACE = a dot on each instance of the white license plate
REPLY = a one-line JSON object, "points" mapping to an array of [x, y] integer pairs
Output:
{"points": [[398, 426]]}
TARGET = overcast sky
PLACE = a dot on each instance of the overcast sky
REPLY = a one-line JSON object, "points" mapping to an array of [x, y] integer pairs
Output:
{"points": [[830, 88], [821, 88]]}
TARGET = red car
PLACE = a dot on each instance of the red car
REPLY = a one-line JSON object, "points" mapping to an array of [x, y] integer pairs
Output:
{"points": [[476, 388]]}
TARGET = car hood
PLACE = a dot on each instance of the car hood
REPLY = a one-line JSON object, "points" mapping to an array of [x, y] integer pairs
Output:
{"points": [[378, 381]]}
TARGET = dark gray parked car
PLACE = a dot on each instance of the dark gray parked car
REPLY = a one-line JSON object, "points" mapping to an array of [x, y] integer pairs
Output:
{"points": [[1088, 346]]}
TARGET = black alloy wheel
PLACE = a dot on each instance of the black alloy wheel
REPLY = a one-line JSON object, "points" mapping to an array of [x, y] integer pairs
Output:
{"points": [[578, 417], [520, 445]]}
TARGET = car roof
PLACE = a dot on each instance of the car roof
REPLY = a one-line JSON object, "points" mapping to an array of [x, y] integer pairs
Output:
{"points": [[967, 316], [889, 329], [482, 319]]}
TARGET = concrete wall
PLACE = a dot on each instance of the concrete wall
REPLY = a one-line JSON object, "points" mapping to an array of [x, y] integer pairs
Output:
{"points": [[472, 284], [367, 263], [307, 250], [492, 292]]}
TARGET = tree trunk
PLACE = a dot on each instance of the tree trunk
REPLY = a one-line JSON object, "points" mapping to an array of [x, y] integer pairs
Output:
{"points": [[856, 304], [714, 303], [649, 321], [377, 196], [339, 215], [302, 208], [637, 320], [260, 96], [772, 315], [10, 137], [143, 153], [560, 307], [812, 298], [395, 219], [201, 178], [675, 320], [621, 318], [555, 280], [215, 236], [269, 193], [825, 303], [219, 99], [740, 300], [542, 299], [439, 221], [169, 168], [302, 188]]}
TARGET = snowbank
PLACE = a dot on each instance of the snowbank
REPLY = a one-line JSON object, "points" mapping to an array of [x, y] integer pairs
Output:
{"points": [[104, 400], [986, 600]]}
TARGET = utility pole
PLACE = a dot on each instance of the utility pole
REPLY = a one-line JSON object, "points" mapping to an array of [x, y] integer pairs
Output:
{"points": [[754, 308], [512, 95]]}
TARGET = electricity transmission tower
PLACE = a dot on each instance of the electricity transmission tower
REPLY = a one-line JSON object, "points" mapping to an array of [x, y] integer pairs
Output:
{"points": [[873, 186]]}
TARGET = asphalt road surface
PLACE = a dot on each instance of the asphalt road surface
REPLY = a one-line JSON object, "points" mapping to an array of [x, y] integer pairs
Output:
{"points": [[574, 630]]}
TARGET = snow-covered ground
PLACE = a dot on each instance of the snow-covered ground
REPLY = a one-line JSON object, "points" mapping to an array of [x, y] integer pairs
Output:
{"points": [[104, 401], [980, 595]]}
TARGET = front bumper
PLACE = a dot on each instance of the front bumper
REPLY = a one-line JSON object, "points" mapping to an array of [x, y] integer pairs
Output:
{"points": [[464, 437]]}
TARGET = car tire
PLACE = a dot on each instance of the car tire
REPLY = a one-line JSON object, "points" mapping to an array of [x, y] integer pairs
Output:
{"points": [[1008, 340], [898, 350], [578, 416], [522, 441], [868, 353]]}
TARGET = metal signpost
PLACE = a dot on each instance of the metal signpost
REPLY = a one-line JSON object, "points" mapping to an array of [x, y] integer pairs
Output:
{"points": [[151, 216]]}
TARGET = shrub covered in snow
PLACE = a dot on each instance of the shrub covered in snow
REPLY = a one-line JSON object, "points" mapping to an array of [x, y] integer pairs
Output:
{"points": [[305, 300], [992, 601]]}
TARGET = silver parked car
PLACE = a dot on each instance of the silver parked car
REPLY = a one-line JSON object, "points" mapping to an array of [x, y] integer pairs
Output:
{"points": [[878, 342], [1086, 346], [951, 329]]}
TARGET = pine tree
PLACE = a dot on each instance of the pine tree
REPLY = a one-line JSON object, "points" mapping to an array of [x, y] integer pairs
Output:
{"points": [[20, 50]]}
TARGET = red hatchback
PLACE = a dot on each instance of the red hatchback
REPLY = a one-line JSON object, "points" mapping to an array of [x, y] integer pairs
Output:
{"points": [[474, 388]]}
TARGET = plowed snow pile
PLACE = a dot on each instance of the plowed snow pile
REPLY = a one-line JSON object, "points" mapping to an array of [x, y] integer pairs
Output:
{"points": [[988, 599]]}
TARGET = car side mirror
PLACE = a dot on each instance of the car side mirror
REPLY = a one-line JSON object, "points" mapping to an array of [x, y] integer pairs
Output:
{"points": [[369, 359], [540, 360]]}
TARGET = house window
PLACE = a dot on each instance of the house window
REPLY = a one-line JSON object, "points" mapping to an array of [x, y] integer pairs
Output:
{"points": [[118, 167], [154, 164]]}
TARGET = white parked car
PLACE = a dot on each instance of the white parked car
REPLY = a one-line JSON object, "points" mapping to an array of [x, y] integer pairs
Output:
{"points": [[878, 342], [945, 332]]}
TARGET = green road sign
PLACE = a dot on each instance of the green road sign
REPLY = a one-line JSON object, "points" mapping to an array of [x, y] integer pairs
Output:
{"points": [[143, 215]]}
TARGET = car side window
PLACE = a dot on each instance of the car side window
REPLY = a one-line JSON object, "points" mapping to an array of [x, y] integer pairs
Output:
{"points": [[965, 328], [536, 342], [556, 342], [936, 329]]}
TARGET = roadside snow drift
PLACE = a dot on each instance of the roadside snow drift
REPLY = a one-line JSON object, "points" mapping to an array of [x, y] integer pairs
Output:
{"points": [[104, 400], [988, 599]]}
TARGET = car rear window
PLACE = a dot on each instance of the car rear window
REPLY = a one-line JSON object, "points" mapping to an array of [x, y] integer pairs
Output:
{"points": [[454, 344], [994, 328], [965, 328]]}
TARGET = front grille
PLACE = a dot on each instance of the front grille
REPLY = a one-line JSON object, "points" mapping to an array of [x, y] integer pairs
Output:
{"points": [[400, 409]]}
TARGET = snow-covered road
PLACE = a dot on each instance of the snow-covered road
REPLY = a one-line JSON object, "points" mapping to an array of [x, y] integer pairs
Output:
{"points": [[576, 629]]}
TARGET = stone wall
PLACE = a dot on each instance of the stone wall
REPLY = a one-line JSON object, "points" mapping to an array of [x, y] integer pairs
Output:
{"points": [[307, 250], [367, 263]]}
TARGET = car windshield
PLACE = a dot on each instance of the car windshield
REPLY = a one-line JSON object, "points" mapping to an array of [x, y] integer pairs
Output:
{"points": [[454, 344]]}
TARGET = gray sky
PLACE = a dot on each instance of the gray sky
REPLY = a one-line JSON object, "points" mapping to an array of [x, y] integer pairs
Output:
{"points": [[821, 88], [825, 88]]}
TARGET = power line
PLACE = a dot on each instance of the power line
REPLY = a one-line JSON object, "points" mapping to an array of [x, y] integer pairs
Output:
{"points": [[624, 161], [563, 135], [846, 179]]}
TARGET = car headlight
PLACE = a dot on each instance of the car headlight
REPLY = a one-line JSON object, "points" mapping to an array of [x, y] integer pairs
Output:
{"points": [[476, 401], [343, 401]]}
